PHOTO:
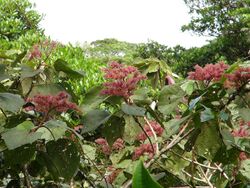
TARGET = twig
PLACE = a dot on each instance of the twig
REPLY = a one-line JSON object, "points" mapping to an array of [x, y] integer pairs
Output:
{"points": [[195, 162], [154, 134], [3, 113], [175, 141], [47, 129], [205, 177], [27, 177], [195, 178], [150, 141], [221, 170], [83, 153]]}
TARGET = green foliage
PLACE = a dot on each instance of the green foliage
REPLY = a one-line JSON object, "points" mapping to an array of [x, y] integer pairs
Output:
{"points": [[142, 178], [17, 18], [188, 133]]}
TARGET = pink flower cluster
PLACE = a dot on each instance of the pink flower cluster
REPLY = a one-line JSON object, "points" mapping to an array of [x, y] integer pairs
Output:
{"points": [[144, 149], [209, 72], [48, 103], [36, 51], [156, 127], [113, 173], [238, 77], [123, 80], [243, 130], [106, 149], [243, 156], [147, 148]]}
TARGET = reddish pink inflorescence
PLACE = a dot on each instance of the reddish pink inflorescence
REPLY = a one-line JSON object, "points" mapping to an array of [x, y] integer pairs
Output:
{"points": [[48, 103], [243, 130], [106, 149], [156, 127], [144, 149], [211, 72], [238, 77], [118, 144], [123, 80], [147, 148], [35, 53]]}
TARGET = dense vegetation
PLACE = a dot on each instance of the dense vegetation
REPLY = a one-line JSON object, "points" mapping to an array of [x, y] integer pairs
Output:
{"points": [[118, 114]]}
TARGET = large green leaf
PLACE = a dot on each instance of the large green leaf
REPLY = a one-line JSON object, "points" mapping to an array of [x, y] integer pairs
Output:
{"points": [[188, 86], [133, 110], [27, 72], [113, 129], [62, 158], [61, 65], [53, 129], [208, 141], [19, 155], [46, 89], [142, 178], [169, 98], [93, 119], [93, 99], [3, 75], [173, 126], [11, 102], [20, 135], [131, 129]]}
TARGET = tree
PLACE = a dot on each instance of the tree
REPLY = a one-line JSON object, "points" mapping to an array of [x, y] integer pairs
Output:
{"points": [[215, 18], [110, 49], [228, 21], [17, 18]]}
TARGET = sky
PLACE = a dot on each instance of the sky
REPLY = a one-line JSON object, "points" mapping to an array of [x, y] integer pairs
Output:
{"points": [[79, 21]]}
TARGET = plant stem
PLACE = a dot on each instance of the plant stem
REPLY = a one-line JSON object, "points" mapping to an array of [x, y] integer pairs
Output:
{"points": [[27, 177]]}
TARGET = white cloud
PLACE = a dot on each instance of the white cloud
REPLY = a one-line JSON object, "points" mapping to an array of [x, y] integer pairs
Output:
{"points": [[128, 20]]}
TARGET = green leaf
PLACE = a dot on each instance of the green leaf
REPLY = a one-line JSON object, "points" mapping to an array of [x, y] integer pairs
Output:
{"points": [[3, 76], [173, 126], [63, 156], [24, 154], [93, 99], [61, 65], [93, 119], [142, 178], [193, 102], [223, 115], [209, 141], [56, 130], [46, 89], [133, 110], [27, 72], [153, 67], [89, 151], [245, 114], [113, 129], [206, 115], [245, 169], [20, 135], [188, 86], [169, 98], [11, 102], [131, 129]]}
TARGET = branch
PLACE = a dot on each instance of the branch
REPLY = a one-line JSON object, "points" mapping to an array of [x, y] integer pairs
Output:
{"points": [[175, 141], [27, 177], [150, 141], [154, 134]]}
